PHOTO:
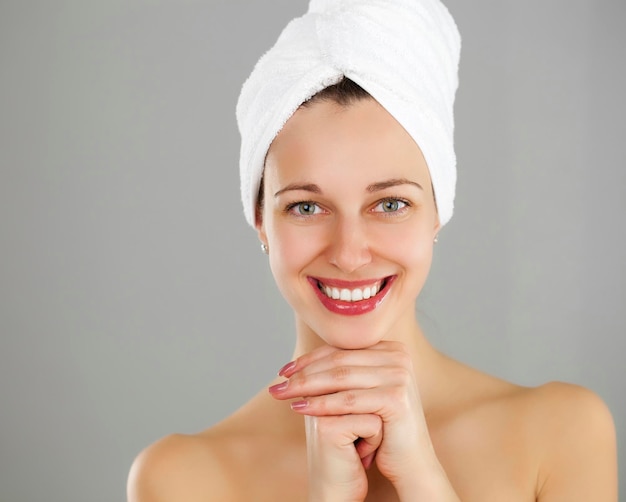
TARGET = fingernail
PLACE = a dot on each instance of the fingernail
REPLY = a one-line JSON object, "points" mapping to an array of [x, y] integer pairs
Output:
{"points": [[299, 405], [287, 369], [368, 461], [279, 387]]}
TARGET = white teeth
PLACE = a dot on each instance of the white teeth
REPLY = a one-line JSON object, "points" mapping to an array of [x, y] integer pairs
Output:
{"points": [[351, 295]]}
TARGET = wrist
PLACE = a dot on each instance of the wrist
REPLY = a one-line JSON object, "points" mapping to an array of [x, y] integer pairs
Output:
{"points": [[335, 493], [331, 497], [430, 484]]}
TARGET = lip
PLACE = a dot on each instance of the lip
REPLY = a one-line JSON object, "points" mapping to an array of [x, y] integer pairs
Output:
{"points": [[338, 283], [351, 308]]}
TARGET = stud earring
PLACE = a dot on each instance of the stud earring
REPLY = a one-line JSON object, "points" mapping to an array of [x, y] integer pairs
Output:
{"points": [[264, 248], [436, 239]]}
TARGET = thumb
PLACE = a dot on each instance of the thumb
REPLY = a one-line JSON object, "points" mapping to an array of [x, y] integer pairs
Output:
{"points": [[366, 445]]}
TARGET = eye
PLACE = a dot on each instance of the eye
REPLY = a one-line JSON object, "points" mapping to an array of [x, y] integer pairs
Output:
{"points": [[306, 208], [390, 205]]}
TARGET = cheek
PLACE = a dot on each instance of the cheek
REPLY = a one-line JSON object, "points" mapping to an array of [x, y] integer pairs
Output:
{"points": [[291, 249], [407, 244]]}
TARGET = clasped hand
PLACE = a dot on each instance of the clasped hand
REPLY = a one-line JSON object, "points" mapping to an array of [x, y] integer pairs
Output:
{"points": [[360, 406]]}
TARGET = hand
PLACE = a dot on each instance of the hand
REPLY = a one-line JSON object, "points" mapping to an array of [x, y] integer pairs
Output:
{"points": [[339, 449], [344, 390]]}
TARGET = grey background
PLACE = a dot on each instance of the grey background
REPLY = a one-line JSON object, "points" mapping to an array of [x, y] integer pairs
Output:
{"points": [[134, 300]]}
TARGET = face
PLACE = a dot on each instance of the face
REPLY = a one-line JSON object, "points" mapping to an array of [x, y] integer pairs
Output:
{"points": [[349, 219]]}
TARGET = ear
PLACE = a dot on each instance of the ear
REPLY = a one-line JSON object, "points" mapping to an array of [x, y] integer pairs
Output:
{"points": [[260, 227], [437, 227]]}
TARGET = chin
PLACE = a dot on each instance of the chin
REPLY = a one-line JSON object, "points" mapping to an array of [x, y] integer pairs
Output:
{"points": [[349, 333], [353, 344]]}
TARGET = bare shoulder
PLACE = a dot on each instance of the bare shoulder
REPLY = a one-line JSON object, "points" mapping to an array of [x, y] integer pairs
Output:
{"points": [[568, 398], [560, 412], [552, 443], [178, 467], [577, 454]]}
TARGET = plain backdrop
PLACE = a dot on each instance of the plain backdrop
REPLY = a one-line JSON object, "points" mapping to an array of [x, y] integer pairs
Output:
{"points": [[134, 299]]}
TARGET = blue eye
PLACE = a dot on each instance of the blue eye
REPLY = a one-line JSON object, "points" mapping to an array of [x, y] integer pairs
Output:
{"points": [[390, 206]]}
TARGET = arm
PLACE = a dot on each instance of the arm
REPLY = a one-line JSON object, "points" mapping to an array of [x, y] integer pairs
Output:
{"points": [[580, 459]]}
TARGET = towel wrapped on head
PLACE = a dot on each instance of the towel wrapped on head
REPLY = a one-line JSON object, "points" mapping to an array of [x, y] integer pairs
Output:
{"points": [[404, 53]]}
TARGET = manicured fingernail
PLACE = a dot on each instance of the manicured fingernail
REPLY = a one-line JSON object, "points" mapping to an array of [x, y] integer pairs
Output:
{"points": [[279, 387], [368, 461], [287, 369], [299, 405]]}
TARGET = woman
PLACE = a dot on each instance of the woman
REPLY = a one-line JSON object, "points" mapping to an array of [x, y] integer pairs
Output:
{"points": [[348, 185]]}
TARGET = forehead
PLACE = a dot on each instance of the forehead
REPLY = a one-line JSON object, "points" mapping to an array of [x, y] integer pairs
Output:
{"points": [[327, 139]]}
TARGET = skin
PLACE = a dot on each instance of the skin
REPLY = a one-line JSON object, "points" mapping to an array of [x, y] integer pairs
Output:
{"points": [[368, 409]]}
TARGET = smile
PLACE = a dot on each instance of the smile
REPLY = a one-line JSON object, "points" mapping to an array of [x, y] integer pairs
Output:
{"points": [[351, 298], [351, 295]]}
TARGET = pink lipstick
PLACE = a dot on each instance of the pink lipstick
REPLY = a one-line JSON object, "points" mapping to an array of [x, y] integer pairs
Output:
{"points": [[350, 308]]}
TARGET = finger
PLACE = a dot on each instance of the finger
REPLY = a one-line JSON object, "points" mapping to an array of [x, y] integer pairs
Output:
{"points": [[303, 361], [387, 402], [361, 432], [383, 353], [368, 460], [366, 446], [339, 379], [332, 456]]}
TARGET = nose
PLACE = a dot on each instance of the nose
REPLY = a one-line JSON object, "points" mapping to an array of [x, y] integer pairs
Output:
{"points": [[349, 248]]}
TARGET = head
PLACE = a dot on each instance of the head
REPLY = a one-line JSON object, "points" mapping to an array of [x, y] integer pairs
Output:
{"points": [[347, 204]]}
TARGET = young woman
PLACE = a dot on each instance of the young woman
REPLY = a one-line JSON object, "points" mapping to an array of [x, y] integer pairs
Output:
{"points": [[348, 186]]}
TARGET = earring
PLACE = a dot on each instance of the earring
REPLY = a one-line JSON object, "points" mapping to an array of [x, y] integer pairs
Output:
{"points": [[264, 248], [436, 239]]}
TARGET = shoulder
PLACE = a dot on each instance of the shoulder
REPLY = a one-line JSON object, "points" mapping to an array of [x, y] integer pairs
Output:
{"points": [[178, 467], [576, 443], [556, 409], [560, 410], [563, 396]]}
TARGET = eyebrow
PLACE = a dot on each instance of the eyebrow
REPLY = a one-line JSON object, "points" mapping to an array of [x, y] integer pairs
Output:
{"points": [[374, 187], [381, 185], [306, 187]]}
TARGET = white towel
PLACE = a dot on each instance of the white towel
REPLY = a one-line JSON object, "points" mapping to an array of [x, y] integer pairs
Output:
{"points": [[405, 53]]}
